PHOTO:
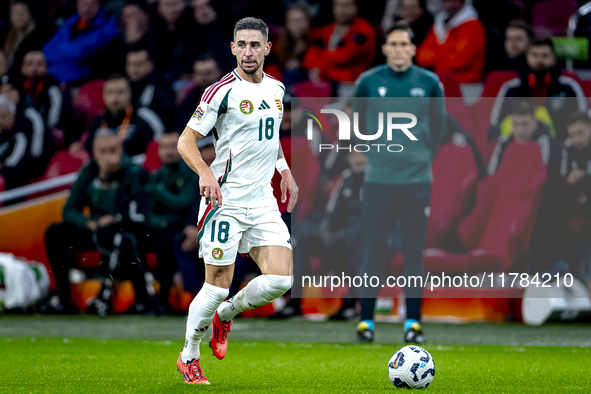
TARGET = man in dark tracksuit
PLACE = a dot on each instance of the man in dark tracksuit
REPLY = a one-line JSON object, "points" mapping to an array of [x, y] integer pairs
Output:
{"points": [[15, 158], [108, 186], [554, 95], [397, 185], [29, 120], [173, 190], [575, 169], [342, 225], [137, 126]]}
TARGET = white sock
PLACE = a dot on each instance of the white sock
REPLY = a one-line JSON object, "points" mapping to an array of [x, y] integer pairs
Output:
{"points": [[259, 291], [201, 312]]}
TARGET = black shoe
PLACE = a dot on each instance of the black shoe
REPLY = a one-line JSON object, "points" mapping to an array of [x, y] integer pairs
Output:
{"points": [[53, 306], [98, 307], [414, 334], [364, 333], [291, 309], [344, 314], [141, 309]]}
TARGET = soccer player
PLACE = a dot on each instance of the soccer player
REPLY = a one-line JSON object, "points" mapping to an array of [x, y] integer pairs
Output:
{"points": [[398, 188], [238, 213]]}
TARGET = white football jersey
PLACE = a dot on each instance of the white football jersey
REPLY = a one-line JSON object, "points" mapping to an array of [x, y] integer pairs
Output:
{"points": [[244, 119]]}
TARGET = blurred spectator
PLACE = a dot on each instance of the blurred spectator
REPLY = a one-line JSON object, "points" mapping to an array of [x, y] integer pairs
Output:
{"points": [[342, 224], [206, 72], [342, 50], [576, 166], [321, 11], [527, 129], [173, 32], [209, 35], [418, 17], [22, 35], [106, 186], [41, 91], [456, 43], [293, 44], [135, 126], [173, 189], [556, 96], [171, 12], [518, 36], [77, 51], [146, 89], [15, 163], [135, 25], [30, 121]]}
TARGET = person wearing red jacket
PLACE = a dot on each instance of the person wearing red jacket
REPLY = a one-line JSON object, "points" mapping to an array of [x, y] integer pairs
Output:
{"points": [[344, 49], [456, 43]]}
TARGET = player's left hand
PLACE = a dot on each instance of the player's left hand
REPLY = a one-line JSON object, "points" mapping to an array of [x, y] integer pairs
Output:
{"points": [[288, 185]]}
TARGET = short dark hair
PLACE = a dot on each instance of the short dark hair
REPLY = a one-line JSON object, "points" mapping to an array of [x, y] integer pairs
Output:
{"points": [[136, 50], [116, 77], [539, 42], [250, 23], [523, 25], [104, 132], [578, 117], [402, 26], [205, 57], [523, 107]]}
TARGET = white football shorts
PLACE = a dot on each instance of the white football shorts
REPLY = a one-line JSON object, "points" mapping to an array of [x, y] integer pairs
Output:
{"points": [[228, 230]]}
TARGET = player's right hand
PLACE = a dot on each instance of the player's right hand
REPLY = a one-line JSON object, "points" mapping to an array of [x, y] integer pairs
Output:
{"points": [[210, 189]]}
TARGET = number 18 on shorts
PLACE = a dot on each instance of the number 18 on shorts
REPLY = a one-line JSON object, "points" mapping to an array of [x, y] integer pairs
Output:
{"points": [[228, 230]]}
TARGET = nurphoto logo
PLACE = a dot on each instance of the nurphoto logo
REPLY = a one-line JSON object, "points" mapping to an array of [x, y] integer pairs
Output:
{"points": [[344, 134]]}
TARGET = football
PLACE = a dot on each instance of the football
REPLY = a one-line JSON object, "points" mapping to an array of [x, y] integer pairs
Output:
{"points": [[411, 367]]}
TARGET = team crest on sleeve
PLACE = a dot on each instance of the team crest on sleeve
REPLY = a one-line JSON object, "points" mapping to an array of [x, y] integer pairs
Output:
{"points": [[246, 107], [417, 92], [198, 114], [279, 104], [217, 253]]}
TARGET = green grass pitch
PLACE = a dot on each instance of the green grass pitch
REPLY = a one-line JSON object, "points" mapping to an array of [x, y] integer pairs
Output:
{"points": [[71, 363]]}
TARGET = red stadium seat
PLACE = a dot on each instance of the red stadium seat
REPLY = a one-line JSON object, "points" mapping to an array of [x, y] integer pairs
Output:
{"points": [[88, 259], [450, 84], [92, 259], [454, 101], [550, 17], [89, 101], [152, 260], [495, 79], [63, 163], [454, 181], [153, 162], [499, 227], [586, 85]]}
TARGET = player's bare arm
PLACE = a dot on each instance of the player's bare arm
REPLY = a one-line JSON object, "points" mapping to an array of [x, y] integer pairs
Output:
{"points": [[208, 185], [288, 184]]}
